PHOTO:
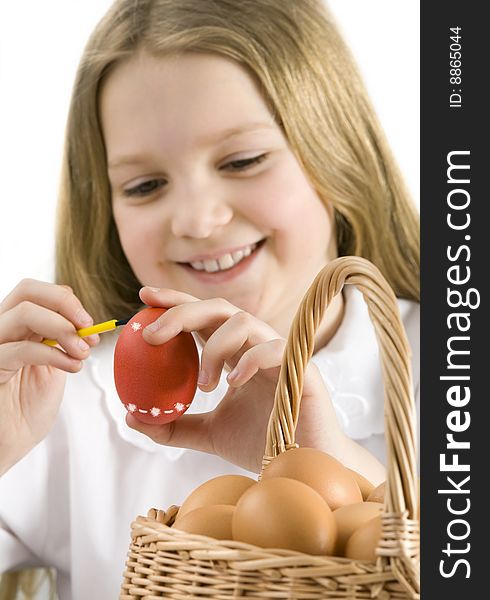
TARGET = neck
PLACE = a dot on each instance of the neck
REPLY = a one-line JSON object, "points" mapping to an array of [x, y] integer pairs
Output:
{"points": [[330, 323]]}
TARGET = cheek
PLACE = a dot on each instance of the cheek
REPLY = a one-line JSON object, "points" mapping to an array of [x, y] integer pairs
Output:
{"points": [[285, 203], [136, 231]]}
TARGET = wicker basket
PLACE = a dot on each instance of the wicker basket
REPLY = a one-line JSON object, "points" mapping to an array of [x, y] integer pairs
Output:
{"points": [[166, 563]]}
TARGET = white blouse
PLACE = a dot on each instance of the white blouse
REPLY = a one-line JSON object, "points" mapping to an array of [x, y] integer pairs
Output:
{"points": [[69, 503]]}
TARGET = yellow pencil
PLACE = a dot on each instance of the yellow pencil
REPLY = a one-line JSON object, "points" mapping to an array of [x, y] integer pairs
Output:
{"points": [[100, 328]]}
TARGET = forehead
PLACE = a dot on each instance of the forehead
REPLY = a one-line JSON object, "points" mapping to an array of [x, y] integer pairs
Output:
{"points": [[190, 97]]}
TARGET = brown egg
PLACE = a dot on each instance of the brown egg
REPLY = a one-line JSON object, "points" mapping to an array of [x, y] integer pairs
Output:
{"points": [[320, 471], [351, 517], [365, 486], [363, 542], [284, 513], [378, 494], [224, 489], [213, 521]]}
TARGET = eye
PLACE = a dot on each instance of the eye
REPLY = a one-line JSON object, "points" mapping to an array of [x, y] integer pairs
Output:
{"points": [[145, 188], [243, 164]]}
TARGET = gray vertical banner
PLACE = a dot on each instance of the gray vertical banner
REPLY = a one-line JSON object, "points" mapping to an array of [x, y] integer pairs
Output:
{"points": [[454, 324]]}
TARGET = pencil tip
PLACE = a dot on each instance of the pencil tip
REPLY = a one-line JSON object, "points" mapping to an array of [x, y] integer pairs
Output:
{"points": [[122, 321]]}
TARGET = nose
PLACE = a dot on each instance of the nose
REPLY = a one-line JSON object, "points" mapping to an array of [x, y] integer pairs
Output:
{"points": [[199, 213]]}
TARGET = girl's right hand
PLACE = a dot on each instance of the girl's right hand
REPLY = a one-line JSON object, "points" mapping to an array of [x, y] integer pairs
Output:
{"points": [[32, 374]]}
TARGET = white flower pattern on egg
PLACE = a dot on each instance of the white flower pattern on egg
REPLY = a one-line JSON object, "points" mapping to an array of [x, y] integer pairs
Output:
{"points": [[136, 326], [155, 411]]}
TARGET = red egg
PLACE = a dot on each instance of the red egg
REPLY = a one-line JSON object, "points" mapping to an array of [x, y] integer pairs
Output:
{"points": [[155, 383]]}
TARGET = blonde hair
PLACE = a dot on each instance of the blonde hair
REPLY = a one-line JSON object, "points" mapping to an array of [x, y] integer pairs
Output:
{"points": [[309, 79], [26, 584]]}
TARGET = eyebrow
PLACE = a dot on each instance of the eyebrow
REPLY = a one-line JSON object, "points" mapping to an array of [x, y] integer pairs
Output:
{"points": [[220, 136]]}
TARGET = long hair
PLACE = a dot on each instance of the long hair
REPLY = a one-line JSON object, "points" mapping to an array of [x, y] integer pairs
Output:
{"points": [[26, 584], [308, 78]]}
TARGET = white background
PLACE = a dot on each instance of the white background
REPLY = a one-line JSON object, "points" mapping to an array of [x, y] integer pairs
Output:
{"points": [[40, 45]]}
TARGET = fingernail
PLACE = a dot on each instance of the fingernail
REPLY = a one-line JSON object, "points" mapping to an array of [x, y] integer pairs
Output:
{"points": [[83, 345], [203, 378], [83, 317], [153, 289], [232, 375], [152, 327]]}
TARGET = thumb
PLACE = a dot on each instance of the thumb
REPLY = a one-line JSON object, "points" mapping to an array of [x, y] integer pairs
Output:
{"points": [[188, 431]]}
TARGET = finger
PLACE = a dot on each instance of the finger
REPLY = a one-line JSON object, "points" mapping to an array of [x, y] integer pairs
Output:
{"points": [[92, 340], [16, 355], [58, 298], [164, 297], [202, 316], [27, 318], [188, 431], [227, 344], [259, 358]]}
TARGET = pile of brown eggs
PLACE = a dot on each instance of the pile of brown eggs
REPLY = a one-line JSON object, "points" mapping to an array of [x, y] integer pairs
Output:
{"points": [[306, 501]]}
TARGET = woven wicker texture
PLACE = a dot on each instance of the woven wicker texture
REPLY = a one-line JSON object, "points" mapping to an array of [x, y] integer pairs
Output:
{"points": [[166, 563]]}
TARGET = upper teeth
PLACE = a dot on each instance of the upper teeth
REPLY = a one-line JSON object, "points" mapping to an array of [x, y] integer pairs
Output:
{"points": [[223, 262]]}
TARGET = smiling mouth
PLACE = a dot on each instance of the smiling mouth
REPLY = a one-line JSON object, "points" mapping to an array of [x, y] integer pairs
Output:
{"points": [[226, 261]]}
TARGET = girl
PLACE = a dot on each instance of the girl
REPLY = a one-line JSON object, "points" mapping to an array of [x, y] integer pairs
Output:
{"points": [[216, 159]]}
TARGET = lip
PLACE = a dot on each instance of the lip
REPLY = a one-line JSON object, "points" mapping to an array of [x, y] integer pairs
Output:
{"points": [[227, 275]]}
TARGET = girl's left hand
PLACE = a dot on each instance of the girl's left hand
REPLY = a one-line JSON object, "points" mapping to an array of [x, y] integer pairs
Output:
{"points": [[252, 350]]}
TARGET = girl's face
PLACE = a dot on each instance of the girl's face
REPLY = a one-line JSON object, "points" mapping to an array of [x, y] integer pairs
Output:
{"points": [[208, 198]]}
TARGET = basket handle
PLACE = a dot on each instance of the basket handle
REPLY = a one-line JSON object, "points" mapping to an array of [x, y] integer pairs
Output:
{"points": [[401, 485]]}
